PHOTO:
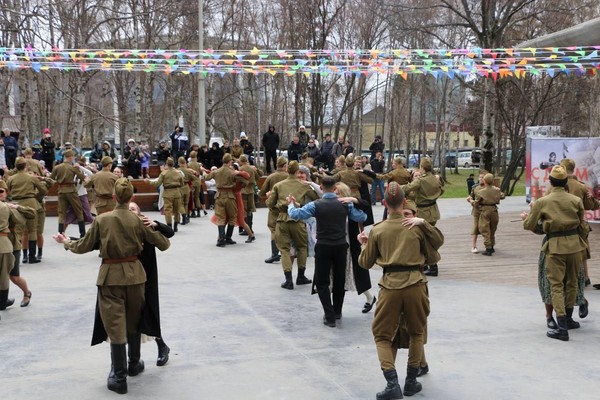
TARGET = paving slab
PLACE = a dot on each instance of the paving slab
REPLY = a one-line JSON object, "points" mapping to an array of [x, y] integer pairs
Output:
{"points": [[234, 333]]}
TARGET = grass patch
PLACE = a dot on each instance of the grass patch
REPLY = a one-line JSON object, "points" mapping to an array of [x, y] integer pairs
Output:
{"points": [[456, 185]]}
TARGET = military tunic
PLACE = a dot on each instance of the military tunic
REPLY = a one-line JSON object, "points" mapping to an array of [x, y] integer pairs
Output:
{"points": [[267, 186], [427, 190], [248, 190], [7, 259], [288, 229], [64, 174], [486, 200], [400, 251], [476, 210], [561, 215], [400, 175], [225, 206], [103, 183], [171, 180], [23, 188], [196, 183], [121, 276], [353, 179], [188, 180]]}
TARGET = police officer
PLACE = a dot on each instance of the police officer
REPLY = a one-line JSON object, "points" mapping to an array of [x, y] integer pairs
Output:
{"points": [[427, 189], [487, 200], [561, 215], [287, 228], [279, 175], [171, 180], [103, 183], [398, 247], [120, 280]]}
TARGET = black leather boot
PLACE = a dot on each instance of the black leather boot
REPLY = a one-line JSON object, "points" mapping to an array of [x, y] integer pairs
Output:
{"points": [[411, 386], [571, 324], [393, 390], [39, 254], [228, 239], [584, 309], [136, 365], [4, 300], [61, 228], [175, 226], [487, 252], [193, 214], [25, 259], [288, 284], [81, 228], [163, 352], [117, 378], [561, 333], [221, 240], [184, 220], [274, 254], [432, 271], [32, 258], [302, 279]]}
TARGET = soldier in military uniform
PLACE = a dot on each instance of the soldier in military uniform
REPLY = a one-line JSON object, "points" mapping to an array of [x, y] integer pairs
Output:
{"points": [[198, 195], [7, 260], [427, 189], [279, 175], [562, 218], [188, 180], [475, 210], [487, 200], [352, 177], [225, 206], [171, 180], [398, 246], [398, 174], [287, 228], [121, 279], [248, 190], [64, 174], [103, 183], [24, 188]]}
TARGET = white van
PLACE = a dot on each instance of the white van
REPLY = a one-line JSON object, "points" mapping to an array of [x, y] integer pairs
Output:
{"points": [[464, 159]]}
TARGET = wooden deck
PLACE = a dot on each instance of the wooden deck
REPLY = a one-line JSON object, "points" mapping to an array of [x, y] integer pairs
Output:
{"points": [[515, 259]]}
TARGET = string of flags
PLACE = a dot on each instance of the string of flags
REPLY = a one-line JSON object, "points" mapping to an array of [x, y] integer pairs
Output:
{"points": [[467, 63]]}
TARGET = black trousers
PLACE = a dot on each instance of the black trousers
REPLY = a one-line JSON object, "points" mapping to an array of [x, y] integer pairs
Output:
{"points": [[270, 155], [331, 258]]}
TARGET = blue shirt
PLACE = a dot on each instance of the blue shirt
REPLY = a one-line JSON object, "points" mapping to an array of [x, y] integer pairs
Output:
{"points": [[309, 210]]}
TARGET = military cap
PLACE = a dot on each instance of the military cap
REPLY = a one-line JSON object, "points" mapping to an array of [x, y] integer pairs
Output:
{"points": [[569, 165], [293, 166], [281, 161], [170, 162], [394, 195], [350, 160], [28, 152], [558, 172], [123, 190], [20, 161], [243, 158], [106, 160], [3, 184], [227, 158], [181, 160], [426, 164]]}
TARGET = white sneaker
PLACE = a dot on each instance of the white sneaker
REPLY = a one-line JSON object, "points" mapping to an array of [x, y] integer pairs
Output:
{"points": [[474, 250]]}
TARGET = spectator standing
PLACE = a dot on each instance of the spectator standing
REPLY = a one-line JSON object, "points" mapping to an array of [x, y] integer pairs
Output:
{"points": [[377, 166], [348, 149], [162, 153], [376, 146], [270, 142], [338, 147], [295, 149], [326, 151], [48, 149], [248, 147], [179, 143], [10, 149], [303, 135], [312, 149]]}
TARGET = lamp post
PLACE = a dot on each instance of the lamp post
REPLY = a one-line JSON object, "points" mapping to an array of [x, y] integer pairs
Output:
{"points": [[201, 86]]}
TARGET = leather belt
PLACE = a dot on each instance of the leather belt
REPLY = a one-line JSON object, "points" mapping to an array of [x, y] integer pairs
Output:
{"points": [[427, 204], [401, 268], [571, 232], [226, 190], [119, 260], [104, 196], [172, 187], [3, 234]]}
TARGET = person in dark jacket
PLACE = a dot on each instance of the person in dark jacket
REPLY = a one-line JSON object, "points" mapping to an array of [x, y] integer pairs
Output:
{"points": [[132, 159], [295, 149], [48, 146], [313, 150], [10, 149], [270, 142], [376, 146], [203, 156], [162, 153], [179, 143], [215, 155], [248, 147]]}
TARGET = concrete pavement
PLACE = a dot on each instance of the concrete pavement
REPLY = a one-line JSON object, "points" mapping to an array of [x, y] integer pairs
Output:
{"points": [[234, 333]]}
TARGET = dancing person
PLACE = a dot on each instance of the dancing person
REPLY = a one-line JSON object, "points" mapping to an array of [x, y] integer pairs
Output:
{"points": [[487, 199], [171, 181], [279, 175], [64, 174]]}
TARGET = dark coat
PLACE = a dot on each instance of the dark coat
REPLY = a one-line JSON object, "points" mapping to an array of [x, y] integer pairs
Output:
{"points": [[150, 322]]}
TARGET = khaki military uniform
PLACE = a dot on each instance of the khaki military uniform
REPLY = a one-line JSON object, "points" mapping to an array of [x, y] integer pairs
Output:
{"points": [[267, 186], [34, 166], [288, 229], [7, 259], [64, 174], [188, 179], [561, 215], [236, 151], [427, 190], [171, 180], [103, 183], [121, 276], [23, 189], [353, 179], [476, 210], [579, 189], [400, 175], [225, 206], [41, 198], [487, 198], [196, 183], [400, 251], [248, 190]]}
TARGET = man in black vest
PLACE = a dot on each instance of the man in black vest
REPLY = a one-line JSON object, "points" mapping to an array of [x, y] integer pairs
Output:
{"points": [[331, 248]]}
